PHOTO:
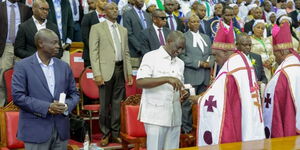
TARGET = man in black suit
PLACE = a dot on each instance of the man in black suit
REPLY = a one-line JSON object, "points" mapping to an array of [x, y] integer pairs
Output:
{"points": [[88, 20], [257, 14], [213, 22], [24, 45], [155, 36], [12, 13], [173, 22], [61, 14], [244, 44], [136, 20], [294, 14], [204, 24]]}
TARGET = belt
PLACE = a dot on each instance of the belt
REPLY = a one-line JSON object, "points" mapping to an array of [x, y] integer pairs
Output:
{"points": [[119, 63]]}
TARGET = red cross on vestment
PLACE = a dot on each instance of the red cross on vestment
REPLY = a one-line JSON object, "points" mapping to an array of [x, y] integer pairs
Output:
{"points": [[210, 104], [268, 100]]}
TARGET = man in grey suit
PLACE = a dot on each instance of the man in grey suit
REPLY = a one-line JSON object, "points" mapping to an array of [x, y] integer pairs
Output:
{"points": [[110, 61], [197, 62], [155, 36], [136, 20]]}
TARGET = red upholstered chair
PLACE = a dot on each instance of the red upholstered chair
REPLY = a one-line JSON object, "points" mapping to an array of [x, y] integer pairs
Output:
{"points": [[76, 63], [89, 88], [132, 130], [9, 116], [132, 89], [7, 79]]}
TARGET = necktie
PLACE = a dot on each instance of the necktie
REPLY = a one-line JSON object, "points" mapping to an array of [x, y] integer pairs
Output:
{"points": [[12, 24], [142, 19], [203, 26], [171, 22], [161, 38], [74, 7], [117, 41], [101, 15]]}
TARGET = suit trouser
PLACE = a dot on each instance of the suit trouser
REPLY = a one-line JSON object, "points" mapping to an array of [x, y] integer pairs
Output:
{"points": [[111, 94], [6, 62], [162, 137], [54, 143], [186, 107]]}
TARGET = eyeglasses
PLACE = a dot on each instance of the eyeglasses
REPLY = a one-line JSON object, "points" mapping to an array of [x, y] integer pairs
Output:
{"points": [[162, 18]]}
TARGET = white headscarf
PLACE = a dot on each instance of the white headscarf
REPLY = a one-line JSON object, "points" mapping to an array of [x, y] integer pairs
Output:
{"points": [[292, 2], [285, 17], [257, 21]]}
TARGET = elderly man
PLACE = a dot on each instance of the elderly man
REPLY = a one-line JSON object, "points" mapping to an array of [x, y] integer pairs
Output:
{"points": [[39, 81], [161, 76], [282, 99], [154, 36], [230, 110]]}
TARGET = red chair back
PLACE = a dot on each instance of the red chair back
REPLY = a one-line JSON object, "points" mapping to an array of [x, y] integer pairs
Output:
{"points": [[76, 64], [134, 127], [88, 85], [12, 119], [7, 79]]}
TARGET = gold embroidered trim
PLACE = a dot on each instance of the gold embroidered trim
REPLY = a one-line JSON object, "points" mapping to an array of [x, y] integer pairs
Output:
{"points": [[283, 46], [224, 46]]}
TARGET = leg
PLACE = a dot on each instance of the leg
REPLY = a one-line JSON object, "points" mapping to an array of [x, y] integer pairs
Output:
{"points": [[118, 94], [6, 62], [172, 138], [156, 136]]}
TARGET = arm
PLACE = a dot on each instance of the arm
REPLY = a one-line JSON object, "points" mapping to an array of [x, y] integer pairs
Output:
{"points": [[20, 44], [20, 94], [127, 57], [261, 69]]}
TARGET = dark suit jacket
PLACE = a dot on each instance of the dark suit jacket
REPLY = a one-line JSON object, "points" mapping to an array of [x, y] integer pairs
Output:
{"points": [[149, 39], [180, 25], [294, 15], [132, 22], [259, 69], [248, 26], [66, 18], [193, 74], [25, 13], [24, 45], [87, 21], [206, 29], [31, 94]]}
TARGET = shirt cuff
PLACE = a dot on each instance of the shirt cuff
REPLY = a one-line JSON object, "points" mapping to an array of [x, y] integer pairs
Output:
{"points": [[68, 41]]}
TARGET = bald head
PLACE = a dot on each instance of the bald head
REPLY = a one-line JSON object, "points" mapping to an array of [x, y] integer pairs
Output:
{"points": [[40, 10], [43, 35], [175, 43], [244, 43]]}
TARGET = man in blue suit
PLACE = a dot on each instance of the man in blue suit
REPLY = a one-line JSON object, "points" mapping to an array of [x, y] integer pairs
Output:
{"points": [[37, 83]]}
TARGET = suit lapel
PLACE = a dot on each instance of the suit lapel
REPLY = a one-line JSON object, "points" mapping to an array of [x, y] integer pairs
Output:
{"points": [[94, 18], [32, 26], [22, 13], [57, 76], [122, 38], [137, 16], [106, 30], [4, 13], [39, 72]]}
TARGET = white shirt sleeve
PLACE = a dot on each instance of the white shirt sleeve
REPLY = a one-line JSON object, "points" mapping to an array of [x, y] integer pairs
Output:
{"points": [[146, 67]]}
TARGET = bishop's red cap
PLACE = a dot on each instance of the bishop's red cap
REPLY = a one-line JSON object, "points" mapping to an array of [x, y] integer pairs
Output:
{"points": [[224, 39], [282, 37]]}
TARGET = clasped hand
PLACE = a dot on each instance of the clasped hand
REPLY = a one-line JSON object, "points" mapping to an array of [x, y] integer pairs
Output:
{"points": [[56, 108]]}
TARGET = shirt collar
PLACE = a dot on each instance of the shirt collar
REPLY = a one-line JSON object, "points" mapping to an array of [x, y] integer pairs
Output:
{"points": [[156, 27], [8, 3], [40, 61], [109, 23], [37, 22], [195, 33], [56, 1], [137, 10], [164, 54]]}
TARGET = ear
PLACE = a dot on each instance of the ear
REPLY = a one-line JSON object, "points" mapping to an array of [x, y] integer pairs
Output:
{"points": [[40, 43]]}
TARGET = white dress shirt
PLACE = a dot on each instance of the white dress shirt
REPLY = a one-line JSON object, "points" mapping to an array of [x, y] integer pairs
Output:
{"points": [[111, 28], [38, 25]]}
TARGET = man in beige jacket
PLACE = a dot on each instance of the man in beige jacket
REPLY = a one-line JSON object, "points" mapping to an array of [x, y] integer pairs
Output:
{"points": [[110, 61]]}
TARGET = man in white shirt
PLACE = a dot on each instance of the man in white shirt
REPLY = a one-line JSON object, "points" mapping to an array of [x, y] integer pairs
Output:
{"points": [[161, 76], [24, 45]]}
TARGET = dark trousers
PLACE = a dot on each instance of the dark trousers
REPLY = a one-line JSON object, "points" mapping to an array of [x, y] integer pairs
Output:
{"points": [[186, 106], [111, 95]]}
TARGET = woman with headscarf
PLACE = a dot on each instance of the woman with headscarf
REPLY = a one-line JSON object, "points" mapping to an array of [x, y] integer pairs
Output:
{"points": [[263, 47], [290, 6], [271, 21], [295, 39], [236, 18]]}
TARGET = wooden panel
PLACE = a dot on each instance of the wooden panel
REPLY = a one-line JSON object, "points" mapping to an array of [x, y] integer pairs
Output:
{"points": [[285, 143]]}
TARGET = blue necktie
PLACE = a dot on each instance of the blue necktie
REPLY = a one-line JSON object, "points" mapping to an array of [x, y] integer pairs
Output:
{"points": [[74, 7], [142, 19]]}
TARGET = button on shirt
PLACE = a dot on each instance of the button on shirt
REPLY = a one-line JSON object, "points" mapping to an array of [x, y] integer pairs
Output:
{"points": [[162, 99], [38, 25], [48, 73], [17, 18]]}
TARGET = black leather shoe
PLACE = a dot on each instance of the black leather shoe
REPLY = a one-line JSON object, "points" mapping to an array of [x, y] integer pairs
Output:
{"points": [[116, 140], [105, 141]]}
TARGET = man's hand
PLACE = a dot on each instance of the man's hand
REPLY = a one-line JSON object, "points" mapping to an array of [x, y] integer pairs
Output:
{"points": [[194, 99], [268, 64], [129, 80], [176, 83], [184, 94], [99, 80], [57, 108]]}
